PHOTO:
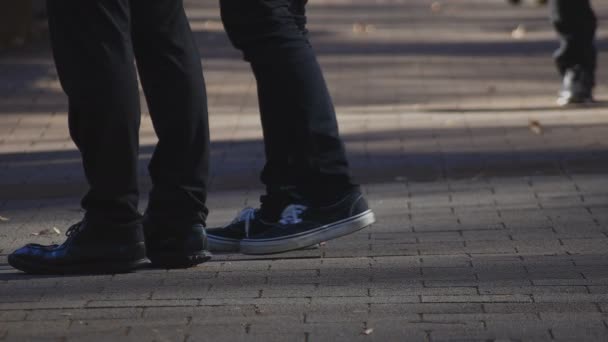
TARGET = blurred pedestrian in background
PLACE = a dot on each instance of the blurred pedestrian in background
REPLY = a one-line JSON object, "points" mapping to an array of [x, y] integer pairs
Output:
{"points": [[576, 58]]}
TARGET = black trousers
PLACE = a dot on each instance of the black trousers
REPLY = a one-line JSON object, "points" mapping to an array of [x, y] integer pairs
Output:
{"points": [[302, 144], [576, 24], [95, 44]]}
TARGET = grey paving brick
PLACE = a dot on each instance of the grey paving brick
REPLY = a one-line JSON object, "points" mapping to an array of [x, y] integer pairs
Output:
{"points": [[532, 289], [513, 298], [83, 314], [62, 304], [12, 315], [430, 291], [571, 298], [141, 303], [540, 307], [33, 330], [382, 310]]}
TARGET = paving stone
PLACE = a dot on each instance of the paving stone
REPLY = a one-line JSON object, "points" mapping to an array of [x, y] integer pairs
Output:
{"points": [[539, 307], [514, 298], [12, 316], [83, 314]]}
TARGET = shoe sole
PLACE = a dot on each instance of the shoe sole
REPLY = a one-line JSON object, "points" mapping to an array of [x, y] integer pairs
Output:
{"points": [[88, 268], [172, 260], [222, 245], [569, 103], [308, 238]]}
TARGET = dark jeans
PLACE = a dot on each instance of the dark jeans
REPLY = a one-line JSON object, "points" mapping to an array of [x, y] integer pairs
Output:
{"points": [[575, 23], [303, 148], [95, 44]]}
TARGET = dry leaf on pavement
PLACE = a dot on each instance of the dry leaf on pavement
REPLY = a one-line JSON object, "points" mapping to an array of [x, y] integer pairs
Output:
{"points": [[535, 127], [362, 28], [519, 32], [53, 231], [436, 7]]}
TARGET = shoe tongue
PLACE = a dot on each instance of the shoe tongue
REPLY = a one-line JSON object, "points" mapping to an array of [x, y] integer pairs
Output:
{"points": [[273, 204]]}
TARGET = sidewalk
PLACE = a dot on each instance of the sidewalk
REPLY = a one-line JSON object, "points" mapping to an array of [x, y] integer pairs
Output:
{"points": [[492, 204]]}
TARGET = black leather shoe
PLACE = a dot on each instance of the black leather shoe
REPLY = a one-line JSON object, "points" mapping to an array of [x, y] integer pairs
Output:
{"points": [[174, 244], [577, 87], [89, 249]]}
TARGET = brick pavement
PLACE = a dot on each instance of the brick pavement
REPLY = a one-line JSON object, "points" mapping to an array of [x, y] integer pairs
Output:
{"points": [[486, 229]]}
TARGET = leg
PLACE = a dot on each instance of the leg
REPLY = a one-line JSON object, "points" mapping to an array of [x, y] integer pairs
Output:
{"points": [[575, 23], [303, 147], [576, 58], [171, 75], [304, 152], [94, 59]]}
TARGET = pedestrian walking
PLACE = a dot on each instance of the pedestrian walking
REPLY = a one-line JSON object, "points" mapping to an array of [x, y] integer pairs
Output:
{"points": [[576, 59]]}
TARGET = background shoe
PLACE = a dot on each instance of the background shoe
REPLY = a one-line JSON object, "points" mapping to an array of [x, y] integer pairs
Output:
{"points": [[577, 87], [301, 226], [89, 249], [174, 244]]}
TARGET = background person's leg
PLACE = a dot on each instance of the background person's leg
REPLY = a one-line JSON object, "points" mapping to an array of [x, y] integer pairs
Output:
{"points": [[92, 49], [575, 23], [170, 70]]}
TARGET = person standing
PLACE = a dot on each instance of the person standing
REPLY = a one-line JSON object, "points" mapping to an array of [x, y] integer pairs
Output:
{"points": [[95, 46], [310, 196], [576, 59]]}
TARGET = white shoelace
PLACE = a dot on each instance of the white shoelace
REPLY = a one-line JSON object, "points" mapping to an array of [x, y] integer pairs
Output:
{"points": [[246, 215], [291, 214]]}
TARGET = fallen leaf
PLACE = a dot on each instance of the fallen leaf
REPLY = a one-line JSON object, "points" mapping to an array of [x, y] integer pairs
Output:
{"points": [[519, 32], [4, 219], [362, 28], [535, 127], [358, 28], [436, 7], [53, 231], [368, 331]]}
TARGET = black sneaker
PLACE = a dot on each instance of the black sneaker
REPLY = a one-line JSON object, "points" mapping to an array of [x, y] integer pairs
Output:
{"points": [[89, 249], [577, 87], [250, 221], [228, 238], [174, 244], [301, 226]]}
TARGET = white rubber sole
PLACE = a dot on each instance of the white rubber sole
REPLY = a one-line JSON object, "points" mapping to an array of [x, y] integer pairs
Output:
{"points": [[308, 238]]}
